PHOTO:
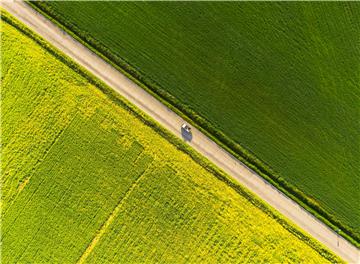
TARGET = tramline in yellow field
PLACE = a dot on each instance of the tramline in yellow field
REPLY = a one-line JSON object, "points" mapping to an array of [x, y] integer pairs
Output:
{"points": [[87, 177]]}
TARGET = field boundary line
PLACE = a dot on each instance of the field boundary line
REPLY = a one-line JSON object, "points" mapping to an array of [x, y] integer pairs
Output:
{"points": [[23, 183], [41, 225]]}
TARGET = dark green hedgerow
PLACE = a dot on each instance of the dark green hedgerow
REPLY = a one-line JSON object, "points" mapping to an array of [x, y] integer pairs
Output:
{"points": [[200, 122], [119, 100]]}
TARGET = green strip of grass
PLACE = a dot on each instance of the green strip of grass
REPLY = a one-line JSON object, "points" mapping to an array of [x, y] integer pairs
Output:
{"points": [[214, 133]]}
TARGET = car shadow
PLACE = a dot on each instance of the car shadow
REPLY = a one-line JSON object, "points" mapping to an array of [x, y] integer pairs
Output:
{"points": [[187, 136]]}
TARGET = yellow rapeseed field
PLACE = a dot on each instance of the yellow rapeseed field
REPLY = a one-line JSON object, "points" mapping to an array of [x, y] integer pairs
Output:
{"points": [[85, 178]]}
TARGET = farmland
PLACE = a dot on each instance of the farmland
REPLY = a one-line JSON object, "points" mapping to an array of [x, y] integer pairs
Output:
{"points": [[86, 178], [280, 79]]}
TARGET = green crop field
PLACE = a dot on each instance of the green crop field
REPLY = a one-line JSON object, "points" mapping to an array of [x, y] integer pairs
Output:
{"points": [[86, 177], [280, 79]]}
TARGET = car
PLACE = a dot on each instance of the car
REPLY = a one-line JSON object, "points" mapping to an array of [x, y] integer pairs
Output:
{"points": [[186, 127]]}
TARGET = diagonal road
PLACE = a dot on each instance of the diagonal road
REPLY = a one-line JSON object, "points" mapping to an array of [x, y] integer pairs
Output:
{"points": [[173, 122]]}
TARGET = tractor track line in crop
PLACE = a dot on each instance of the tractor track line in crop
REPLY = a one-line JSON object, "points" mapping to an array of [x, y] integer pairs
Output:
{"points": [[108, 221]]}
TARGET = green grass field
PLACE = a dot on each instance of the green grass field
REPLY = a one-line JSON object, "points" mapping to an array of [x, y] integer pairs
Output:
{"points": [[280, 79], [85, 178]]}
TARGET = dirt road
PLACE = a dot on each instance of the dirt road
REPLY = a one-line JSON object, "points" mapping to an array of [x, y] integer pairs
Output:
{"points": [[172, 122]]}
